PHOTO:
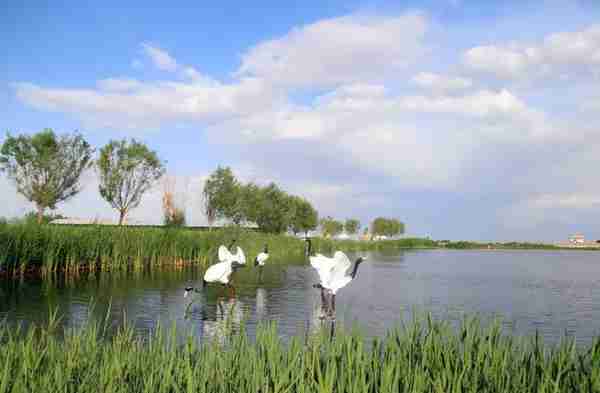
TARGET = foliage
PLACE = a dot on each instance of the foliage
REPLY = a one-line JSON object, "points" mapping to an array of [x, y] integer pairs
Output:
{"points": [[249, 203], [467, 245], [423, 355], [306, 217], [45, 168], [276, 210], [71, 248], [174, 218], [127, 171], [173, 215], [271, 208], [330, 226], [387, 226], [46, 218], [221, 193], [351, 226]]}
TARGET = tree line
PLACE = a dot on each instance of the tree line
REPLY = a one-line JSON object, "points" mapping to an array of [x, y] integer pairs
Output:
{"points": [[380, 226], [46, 169], [270, 208]]}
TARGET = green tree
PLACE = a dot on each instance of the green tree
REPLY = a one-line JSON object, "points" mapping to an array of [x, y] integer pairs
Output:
{"points": [[250, 202], [330, 226], [221, 195], [175, 218], [127, 170], [276, 210], [305, 218], [387, 227], [46, 168], [351, 226]]}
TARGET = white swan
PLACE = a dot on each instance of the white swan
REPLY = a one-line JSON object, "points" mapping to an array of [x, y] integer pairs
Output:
{"points": [[262, 257], [239, 256], [224, 254], [333, 273], [217, 273]]}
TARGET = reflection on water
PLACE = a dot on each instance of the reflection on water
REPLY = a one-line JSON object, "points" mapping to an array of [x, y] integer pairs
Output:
{"points": [[552, 292]]}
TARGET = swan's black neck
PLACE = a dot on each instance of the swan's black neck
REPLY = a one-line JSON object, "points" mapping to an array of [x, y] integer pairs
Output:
{"points": [[266, 250], [231, 245], [308, 246], [356, 263]]}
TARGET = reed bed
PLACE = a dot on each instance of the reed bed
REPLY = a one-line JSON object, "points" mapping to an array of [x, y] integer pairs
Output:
{"points": [[425, 356], [57, 248], [52, 248]]}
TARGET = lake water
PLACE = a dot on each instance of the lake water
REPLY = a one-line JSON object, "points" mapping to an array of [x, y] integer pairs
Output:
{"points": [[554, 292]]}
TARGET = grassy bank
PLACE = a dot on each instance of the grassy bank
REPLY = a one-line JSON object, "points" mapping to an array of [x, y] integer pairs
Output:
{"points": [[467, 245], [423, 357], [52, 248], [69, 248]]}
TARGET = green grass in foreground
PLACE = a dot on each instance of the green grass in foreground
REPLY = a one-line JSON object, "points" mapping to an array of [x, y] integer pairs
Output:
{"points": [[70, 248], [426, 356]]}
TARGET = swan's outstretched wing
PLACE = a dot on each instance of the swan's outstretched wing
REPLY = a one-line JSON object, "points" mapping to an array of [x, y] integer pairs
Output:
{"points": [[338, 270], [337, 283], [239, 256], [342, 263], [224, 254], [322, 265], [218, 272]]}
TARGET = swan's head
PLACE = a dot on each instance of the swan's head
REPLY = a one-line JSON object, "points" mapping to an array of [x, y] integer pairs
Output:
{"points": [[318, 286], [361, 260], [231, 244], [187, 291]]}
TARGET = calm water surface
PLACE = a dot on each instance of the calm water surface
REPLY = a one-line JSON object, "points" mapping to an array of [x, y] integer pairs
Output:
{"points": [[554, 292]]}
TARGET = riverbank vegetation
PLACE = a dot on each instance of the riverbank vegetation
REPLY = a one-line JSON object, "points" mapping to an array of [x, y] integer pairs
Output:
{"points": [[69, 248], [423, 356]]}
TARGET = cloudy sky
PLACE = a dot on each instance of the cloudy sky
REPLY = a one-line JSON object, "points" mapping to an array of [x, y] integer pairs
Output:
{"points": [[465, 119]]}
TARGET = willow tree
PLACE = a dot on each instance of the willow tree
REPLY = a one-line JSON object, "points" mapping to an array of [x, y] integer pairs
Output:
{"points": [[351, 226], [305, 218], [221, 193], [330, 226], [127, 170], [45, 168]]}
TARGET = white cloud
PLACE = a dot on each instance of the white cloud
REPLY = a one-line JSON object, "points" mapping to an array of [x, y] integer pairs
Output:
{"points": [[558, 53], [369, 127], [565, 200], [160, 58], [118, 84], [150, 104], [337, 51], [441, 83]]}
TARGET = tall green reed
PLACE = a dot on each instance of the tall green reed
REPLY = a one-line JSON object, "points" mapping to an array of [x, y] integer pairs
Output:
{"points": [[423, 356], [54, 248]]}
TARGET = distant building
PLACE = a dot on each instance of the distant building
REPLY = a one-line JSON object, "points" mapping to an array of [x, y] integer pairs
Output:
{"points": [[577, 238]]}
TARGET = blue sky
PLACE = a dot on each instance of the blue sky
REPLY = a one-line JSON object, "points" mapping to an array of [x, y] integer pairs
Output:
{"points": [[465, 119]]}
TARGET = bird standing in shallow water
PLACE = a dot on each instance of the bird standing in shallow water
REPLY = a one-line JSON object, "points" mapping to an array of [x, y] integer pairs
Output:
{"points": [[218, 273], [333, 274], [260, 260], [262, 257]]}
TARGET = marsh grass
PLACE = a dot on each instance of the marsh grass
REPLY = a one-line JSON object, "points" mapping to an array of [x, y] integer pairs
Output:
{"points": [[52, 248], [423, 356], [71, 249]]}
